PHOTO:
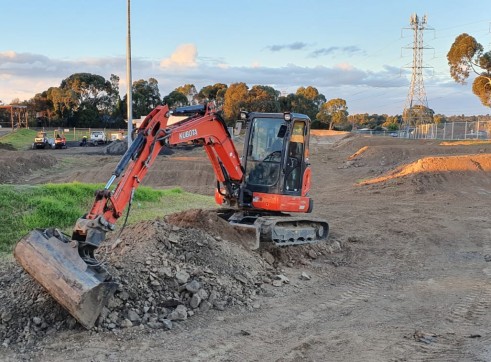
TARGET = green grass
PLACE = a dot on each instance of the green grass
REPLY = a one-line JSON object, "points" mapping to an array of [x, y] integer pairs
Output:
{"points": [[24, 208], [20, 139]]}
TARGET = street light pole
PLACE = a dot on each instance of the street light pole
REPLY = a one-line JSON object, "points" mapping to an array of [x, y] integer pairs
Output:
{"points": [[129, 98]]}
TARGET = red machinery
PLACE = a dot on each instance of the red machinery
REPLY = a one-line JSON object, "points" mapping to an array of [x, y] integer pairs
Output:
{"points": [[272, 177]]}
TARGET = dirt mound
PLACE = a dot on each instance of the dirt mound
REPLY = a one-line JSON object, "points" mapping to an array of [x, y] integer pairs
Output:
{"points": [[438, 165], [116, 148], [208, 221], [16, 164], [166, 274]]}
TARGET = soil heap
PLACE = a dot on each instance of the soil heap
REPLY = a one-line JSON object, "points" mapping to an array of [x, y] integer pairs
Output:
{"points": [[166, 274]]}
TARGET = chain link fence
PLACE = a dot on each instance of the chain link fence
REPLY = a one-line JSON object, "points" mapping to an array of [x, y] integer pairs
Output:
{"points": [[453, 131]]}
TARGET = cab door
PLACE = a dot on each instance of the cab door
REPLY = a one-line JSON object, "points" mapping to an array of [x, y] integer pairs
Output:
{"points": [[295, 158]]}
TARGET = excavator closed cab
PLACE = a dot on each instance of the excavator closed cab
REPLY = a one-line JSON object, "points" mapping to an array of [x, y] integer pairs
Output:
{"points": [[275, 160]]}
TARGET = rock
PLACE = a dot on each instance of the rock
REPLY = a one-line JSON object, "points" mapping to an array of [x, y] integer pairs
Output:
{"points": [[240, 278], [277, 283], [179, 314], [203, 294], [219, 304], [114, 302], [165, 272], [124, 296], [37, 321], [193, 286], [256, 305], [205, 306], [133, 316], [182, 277], [167, 324], [6, 316], [195, 301], [6, 342], [155, 325], [173, 238], [71, 322], [305, 276], [282, 278], [312, 254], [111, 326], [155, 283], [113, 317], [213, 296], [268, 257], [126, 323]]}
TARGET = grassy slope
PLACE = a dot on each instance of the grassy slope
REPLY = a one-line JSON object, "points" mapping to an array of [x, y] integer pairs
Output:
{"points": [[59, 205], [20, 139]]}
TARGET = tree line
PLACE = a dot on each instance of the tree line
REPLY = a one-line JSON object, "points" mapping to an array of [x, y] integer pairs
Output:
{"points": [[89, 100]]}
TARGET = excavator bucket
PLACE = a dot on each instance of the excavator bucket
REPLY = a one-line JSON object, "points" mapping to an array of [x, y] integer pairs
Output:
{"points": [[57, 266]]}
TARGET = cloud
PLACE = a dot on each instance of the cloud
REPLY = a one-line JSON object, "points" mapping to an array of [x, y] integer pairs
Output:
{"points": [[22, 75], [293, 46], [184, 57], [349, 50]]}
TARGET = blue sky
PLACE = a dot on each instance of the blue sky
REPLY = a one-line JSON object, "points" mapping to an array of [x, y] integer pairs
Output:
{"points": [[355, 50]]}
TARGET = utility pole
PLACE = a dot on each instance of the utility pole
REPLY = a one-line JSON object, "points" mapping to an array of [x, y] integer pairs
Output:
{"points": [[416, 109], [129, 98]]}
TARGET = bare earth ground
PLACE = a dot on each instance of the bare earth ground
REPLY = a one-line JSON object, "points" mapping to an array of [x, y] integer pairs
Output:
{"points": [[405, 277]]}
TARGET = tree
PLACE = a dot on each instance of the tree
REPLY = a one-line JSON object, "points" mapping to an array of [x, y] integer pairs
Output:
{"points": [[64, 101], [175, 99], [146, 96], [466, 55], [214, 92], [189, 90], [89, 88], [262, 98], [235, 100], [334, 112]]}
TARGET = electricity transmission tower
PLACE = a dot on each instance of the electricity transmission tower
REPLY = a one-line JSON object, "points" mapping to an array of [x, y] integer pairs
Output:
{"points": [[416, 109]]}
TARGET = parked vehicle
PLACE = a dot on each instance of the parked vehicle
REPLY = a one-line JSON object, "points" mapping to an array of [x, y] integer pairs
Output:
{"points": [[60, 140], [42, 141], [97, 138]]}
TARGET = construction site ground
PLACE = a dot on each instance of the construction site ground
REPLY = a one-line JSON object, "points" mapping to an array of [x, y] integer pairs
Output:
{"points": [[405, 275]]}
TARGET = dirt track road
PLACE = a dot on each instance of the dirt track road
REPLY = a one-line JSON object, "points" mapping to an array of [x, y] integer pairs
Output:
{"points": [[412, 282]]}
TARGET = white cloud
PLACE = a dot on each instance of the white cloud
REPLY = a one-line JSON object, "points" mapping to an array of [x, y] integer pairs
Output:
{"points": [[184, 57], [23, 75]]}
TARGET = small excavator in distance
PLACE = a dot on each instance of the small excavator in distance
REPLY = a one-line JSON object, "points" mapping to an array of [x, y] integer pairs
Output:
{"points": [[257, 191]]}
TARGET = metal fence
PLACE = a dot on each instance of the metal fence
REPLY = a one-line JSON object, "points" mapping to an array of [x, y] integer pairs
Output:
{"points": [[444, 131], [453, 131], [76, 134]]}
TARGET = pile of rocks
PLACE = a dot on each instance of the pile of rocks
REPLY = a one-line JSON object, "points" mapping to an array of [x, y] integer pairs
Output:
{"points": [[166, 274], [177, 273]]}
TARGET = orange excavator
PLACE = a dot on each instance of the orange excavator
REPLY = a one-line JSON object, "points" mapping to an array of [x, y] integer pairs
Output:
{"points": [[257, 191]]}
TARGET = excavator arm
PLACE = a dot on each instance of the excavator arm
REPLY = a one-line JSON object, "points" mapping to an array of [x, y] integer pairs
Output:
{"points": [[203, 125]]}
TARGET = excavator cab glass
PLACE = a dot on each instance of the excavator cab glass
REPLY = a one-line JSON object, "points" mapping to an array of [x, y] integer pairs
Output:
{"points": [[264, 151], [276, 155]]}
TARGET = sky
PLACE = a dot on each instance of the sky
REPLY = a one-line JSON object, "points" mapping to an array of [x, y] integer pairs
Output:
{"points": [[357, 50]]}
